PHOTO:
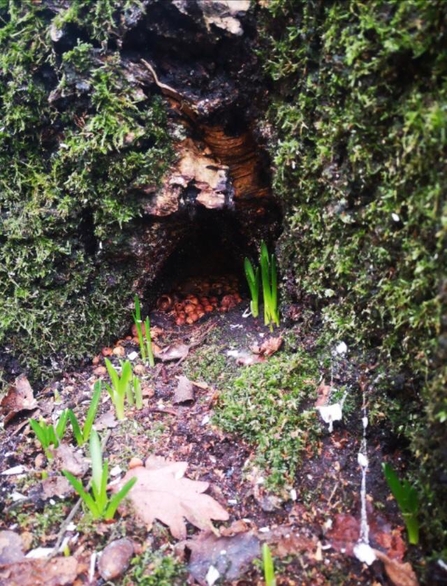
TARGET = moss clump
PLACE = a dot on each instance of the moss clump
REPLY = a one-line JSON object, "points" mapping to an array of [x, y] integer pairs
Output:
{"points": [[269, 406], [359, 112], [78, 134]]}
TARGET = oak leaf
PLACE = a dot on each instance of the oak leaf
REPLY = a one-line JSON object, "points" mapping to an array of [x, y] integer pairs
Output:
{"points": [[162, 493]]}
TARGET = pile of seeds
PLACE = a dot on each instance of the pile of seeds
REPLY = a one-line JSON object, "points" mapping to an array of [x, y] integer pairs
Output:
{"points": [[199, 296]]}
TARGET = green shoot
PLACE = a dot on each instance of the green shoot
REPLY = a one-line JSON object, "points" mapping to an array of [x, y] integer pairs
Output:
{"points": [[137, 392], [269, 287], [49, 434], [120, 385], [145, 347], [82, 435], [252, 276], [97, 501], [149, 352], [407, 499], [269, 570]]}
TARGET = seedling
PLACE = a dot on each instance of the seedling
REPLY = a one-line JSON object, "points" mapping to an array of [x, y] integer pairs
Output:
{"points": [[407, 499], [49, 434], [145, 344], [97, 501], [82, 435], [269, 287], [252, 275], [120, 385], [269, 570]]}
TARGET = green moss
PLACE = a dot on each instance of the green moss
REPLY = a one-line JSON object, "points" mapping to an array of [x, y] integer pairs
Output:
{"points": [[77, 136], [270, 406], [360, 121]]}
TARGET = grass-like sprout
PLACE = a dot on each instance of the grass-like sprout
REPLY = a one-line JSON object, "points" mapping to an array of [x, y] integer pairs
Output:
{"points": [[49, 434], [408, 501], [269, 287], [252, 275], [269, 570], [147, 354], [82, 434], [120, 388], [96, 500]]}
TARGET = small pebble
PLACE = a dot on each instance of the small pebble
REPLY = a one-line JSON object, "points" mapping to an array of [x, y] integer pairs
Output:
{"points": [[119, 351], [135, 463], [115, 559], [100, 370]]}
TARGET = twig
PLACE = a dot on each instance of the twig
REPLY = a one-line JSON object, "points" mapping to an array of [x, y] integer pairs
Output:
{"points": [[74, 510]]}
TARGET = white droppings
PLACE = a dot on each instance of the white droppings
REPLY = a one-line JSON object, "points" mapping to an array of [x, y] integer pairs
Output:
{"points": [[331, 413], [364, 553], [362, 460], [341, 348], [395, 217]]}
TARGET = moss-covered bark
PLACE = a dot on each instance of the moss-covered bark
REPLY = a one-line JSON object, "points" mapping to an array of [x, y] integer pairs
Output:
{"points": [[77, 134], [359, 115]]}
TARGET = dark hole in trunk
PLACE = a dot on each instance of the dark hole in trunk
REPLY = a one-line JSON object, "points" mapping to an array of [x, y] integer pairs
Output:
{"points": [[208, 260]]}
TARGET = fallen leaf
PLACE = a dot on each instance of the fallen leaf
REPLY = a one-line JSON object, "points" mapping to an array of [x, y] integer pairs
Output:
{"points": [[184, 391], [55, 486], [18, 398], [11, 547], [268, 347], [115, 558], [231, 556], [250, 359], [284, 541], [67, 458], [106, 421], [323, 392], [162, 493], [400, 574], [172, 352], [49, 572]]}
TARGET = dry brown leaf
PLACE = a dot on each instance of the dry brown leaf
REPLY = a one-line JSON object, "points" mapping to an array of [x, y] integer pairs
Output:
{"points": [[18, 398], [67, 458], [162, 493], [55, 486], [268, 347], [246, 359], [172, 352], [184, 391], [29, 572], [106, 421], [323, 391], [400, 574]]}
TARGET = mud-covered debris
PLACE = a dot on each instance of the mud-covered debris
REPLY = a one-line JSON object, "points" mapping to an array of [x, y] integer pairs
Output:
{"points": [[230, 556], [43, 572], [11, 547], [68, 458], [268, 347]]}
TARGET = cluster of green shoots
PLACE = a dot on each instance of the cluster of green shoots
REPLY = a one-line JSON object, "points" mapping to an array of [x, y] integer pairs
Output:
{"points": [[124, 386], [408, 501], [144, 339], [265, 273], [100, 505]]}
